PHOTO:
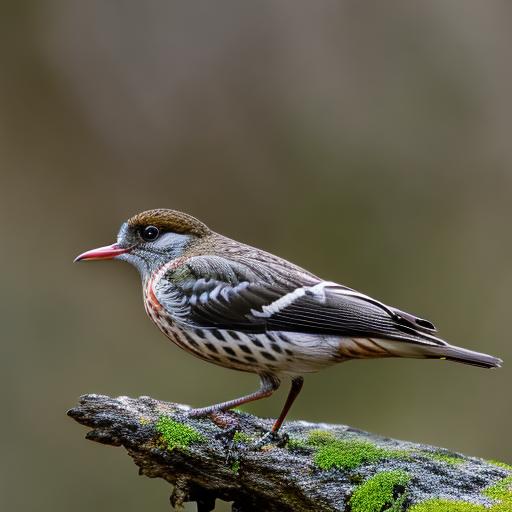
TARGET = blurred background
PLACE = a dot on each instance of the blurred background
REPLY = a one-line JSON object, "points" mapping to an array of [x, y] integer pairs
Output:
{"points": [[369, 142]]}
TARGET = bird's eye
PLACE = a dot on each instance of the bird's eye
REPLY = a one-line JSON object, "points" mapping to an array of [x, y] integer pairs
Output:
{"points": [[150, 233]]}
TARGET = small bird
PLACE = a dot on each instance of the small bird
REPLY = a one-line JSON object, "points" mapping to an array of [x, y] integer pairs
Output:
{"points": [[242, 308]]}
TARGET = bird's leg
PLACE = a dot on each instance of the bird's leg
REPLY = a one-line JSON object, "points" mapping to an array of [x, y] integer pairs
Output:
{"points": [[273, 435], [268, 385], [292, 395]]}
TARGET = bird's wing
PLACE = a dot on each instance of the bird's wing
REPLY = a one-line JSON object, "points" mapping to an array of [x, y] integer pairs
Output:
{"points": [[214, 292]]}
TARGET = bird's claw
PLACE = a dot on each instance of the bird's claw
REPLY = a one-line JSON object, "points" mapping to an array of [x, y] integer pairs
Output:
{"points": [[223, 419], [271, 437]]}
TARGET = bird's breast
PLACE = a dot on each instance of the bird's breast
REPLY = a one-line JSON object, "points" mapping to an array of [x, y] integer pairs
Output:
{"points": [[269, 352], [151, 303]]}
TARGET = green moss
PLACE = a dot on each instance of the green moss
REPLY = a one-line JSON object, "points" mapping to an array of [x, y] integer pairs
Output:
{"points": [[438, 505], [400, 454], [332, 452], [502, 492], [319, 438], [345, 453], [242, 437], [175, 434], [380, 491], [235, 467], [500, 464], [349, 454], [296, 444]]}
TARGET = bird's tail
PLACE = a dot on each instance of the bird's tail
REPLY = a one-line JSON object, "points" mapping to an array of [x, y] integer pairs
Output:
{"points": [[445, 351], [429, 347], [462, 355]]}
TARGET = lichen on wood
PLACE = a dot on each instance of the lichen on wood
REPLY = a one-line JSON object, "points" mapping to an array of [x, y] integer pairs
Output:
{"points": [[318, 467]]}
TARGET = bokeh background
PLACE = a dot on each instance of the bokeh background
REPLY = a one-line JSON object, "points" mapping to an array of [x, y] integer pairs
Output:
{"points": [[367, 141]]}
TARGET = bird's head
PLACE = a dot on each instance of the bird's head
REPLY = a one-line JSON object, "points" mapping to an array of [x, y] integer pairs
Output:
{"points": [[150, 239]]}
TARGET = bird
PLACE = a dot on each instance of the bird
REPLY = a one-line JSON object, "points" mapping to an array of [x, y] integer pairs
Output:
{"points": [[243, 308]]}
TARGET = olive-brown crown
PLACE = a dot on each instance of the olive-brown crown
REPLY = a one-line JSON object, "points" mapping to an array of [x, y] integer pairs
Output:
{"points": [[170, 220]]}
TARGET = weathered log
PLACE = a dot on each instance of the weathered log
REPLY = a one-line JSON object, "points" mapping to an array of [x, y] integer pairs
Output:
{"points": [[310, 467]]}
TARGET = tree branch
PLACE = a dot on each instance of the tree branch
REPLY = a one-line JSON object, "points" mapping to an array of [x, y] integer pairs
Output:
{"points": [[316, 467]]}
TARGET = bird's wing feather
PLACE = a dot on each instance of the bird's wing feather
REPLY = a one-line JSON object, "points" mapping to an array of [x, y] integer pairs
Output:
{"points": [[238, 295]]}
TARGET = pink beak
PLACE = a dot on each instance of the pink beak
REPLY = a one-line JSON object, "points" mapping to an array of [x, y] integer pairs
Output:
{"points": [[103, 253]]}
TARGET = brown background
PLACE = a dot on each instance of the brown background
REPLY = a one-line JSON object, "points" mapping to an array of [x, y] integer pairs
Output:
{"points": [[368, 141]]}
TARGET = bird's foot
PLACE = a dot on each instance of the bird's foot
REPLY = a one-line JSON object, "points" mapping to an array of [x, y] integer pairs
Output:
{"points": [[228, 421], [270, 438], [223, 419], [236, 448]]}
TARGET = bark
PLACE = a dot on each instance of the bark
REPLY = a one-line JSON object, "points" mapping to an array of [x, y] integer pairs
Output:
{"points": [[310, 467]]}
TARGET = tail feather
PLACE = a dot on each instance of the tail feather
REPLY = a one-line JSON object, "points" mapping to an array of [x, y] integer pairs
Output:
{"points": [[462, 355], [426, 350]]}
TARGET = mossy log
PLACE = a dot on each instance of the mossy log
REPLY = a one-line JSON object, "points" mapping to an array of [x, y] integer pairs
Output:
{"points": [[310, 467]]}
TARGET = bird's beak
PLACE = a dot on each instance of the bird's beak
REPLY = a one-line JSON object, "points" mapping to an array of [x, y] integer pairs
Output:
{"points": [[103, 253]]}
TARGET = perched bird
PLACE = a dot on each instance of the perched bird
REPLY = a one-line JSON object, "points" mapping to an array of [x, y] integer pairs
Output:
{"points": [[245, 309]]}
